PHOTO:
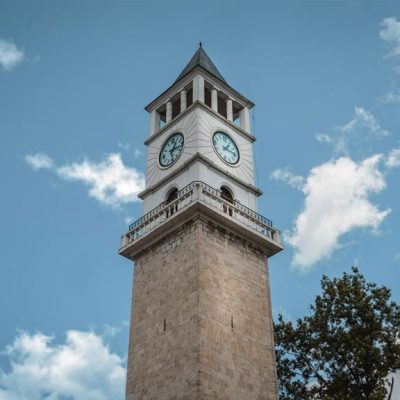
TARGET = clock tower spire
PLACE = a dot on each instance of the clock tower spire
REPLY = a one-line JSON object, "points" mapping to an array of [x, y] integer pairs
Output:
{"points": [[201, 325]]}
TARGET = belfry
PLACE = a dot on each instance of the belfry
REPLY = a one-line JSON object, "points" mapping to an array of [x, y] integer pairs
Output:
{"points": [[201, 324]]}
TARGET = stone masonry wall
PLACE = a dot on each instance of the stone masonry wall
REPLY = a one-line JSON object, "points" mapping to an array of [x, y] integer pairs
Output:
{"points": [[237, 358], [164, 364], [212, 290]]}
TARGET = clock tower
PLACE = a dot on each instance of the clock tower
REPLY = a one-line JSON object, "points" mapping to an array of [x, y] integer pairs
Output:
{"points": [[201, 324]]}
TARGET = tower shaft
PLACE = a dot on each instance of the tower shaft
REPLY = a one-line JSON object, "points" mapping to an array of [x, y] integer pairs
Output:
{"points": [[201, 320]]}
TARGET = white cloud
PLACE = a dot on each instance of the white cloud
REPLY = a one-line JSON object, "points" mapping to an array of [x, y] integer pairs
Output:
{"points": [[391, 34], [39, 161], [393, 159], [284, 175], [338, 193], [363, 127], [110, 182], [10, 55], [392, 96], [81, 368], [363, 120], [337, 200]]}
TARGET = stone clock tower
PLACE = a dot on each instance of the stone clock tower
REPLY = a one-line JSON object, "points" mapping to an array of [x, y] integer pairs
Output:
{"points": [[201, 325]]}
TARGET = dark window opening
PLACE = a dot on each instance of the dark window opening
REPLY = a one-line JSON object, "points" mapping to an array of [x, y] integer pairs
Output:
{"points": [[176, 107], [189, 97], [165, 324], [232, 322], [227, 196], [207, 97], [222, 106], [163, 115], [172, 195]]}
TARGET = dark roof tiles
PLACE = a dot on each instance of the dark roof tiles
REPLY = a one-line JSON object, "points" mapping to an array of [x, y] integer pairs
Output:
{"points": [[201, 58]]}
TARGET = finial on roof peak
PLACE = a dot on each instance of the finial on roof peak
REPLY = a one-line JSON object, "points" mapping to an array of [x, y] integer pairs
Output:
{"points": [[200, 44]]}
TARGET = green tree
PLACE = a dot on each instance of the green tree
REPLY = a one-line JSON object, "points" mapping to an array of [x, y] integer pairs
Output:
{"points": [[347, 346]]}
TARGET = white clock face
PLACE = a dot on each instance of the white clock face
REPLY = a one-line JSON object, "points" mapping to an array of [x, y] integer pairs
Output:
{"points": [[226, 148], [171, 150]]}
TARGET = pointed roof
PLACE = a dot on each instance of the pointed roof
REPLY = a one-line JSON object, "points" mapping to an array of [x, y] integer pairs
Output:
{"points": [[201, 58]]}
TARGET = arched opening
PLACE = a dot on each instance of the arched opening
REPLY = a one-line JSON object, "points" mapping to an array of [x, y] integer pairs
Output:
{"points": [[227, 196], [172, 195], [171, 208]]}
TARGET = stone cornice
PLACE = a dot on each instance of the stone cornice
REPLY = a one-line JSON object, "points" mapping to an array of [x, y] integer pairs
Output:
{"points": [[202, 211], [197, 103], [187, 164], [163, 97]]}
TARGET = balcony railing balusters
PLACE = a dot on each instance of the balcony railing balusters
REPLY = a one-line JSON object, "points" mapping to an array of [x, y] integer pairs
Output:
{"points": [[200, 191]]}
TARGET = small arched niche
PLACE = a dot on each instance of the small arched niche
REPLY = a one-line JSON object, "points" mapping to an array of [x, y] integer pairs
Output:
{"points": [[172, 195], [226, 193]]}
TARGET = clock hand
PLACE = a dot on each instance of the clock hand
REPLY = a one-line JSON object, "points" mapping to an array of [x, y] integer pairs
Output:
{"points": [[174, 148], [227, 149]]}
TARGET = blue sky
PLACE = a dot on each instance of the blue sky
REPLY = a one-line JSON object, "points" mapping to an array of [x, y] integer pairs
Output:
{"points": [[74, 78]]}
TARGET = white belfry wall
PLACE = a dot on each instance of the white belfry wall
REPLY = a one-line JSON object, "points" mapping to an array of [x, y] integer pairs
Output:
{"points": [[198, 127], [198, 124], [200, 172]]}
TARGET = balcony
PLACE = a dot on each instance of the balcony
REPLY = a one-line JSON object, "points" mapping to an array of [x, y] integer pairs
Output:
{"points": [[208, 201]]}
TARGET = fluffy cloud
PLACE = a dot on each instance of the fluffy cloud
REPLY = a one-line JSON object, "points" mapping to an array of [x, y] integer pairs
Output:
{"points": [[390, 33], [81, 368], [39, 161], [337, 200], [10, 55], [110, 182], [363, 127], [338, 192]]}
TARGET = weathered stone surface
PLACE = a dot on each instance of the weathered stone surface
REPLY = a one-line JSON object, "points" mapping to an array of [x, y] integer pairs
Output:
{"points": [[212, 290]]}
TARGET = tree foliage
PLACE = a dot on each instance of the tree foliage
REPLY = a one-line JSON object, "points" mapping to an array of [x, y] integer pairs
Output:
{"points": [[347, 346]]}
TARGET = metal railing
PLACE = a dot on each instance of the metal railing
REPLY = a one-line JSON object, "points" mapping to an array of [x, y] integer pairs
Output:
{"points": [[213, 198]]}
